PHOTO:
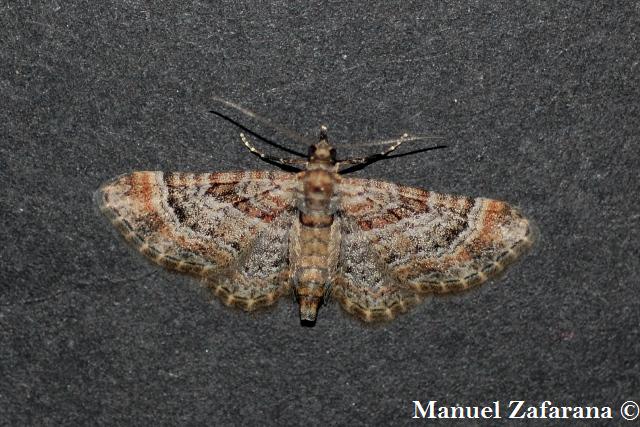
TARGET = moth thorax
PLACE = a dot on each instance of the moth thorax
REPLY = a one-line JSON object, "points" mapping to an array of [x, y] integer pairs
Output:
{"points": [[318, 189]]}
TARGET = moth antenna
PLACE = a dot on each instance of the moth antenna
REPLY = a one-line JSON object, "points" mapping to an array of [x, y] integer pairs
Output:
{"points": [[354, 164], [255, 134], [405, 138], [266, 122]]}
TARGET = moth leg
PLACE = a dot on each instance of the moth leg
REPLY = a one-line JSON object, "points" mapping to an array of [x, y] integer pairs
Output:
{"points": [[290, 134], [393, 145], [263, 156]]}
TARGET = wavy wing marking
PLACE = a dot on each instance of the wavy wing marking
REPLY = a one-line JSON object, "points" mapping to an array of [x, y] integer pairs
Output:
{"points": [[401, 243], [230, 229]]}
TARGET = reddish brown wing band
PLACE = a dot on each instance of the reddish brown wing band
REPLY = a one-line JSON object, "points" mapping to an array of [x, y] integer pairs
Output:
{"points": [[401, 243], [396, 243], [230, 229]]}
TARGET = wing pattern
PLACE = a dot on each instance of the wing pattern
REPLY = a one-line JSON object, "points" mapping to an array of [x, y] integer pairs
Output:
{"points": [[401, 243], [397, 244], [230, 229]]}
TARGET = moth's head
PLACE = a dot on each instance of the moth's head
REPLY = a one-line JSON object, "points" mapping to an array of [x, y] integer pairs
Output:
{"points": [[322, 152]]}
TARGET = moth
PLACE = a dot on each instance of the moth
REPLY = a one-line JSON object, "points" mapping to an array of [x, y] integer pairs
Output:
{"points": [[253, 236]]}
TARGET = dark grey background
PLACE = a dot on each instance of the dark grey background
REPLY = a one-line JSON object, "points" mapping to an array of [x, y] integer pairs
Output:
{"points": [[537, 101]]}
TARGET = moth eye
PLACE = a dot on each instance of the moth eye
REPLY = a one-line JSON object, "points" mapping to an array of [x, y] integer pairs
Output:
{"points": [[312, 150], [332, 153]]}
